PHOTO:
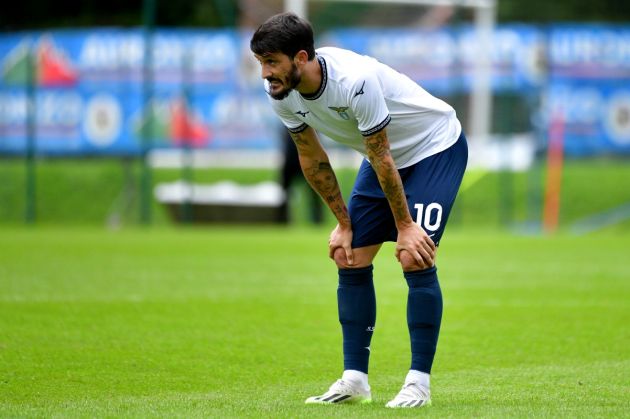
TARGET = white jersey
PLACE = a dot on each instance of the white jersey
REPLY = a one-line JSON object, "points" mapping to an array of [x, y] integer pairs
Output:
{"points": [[360, 96]]}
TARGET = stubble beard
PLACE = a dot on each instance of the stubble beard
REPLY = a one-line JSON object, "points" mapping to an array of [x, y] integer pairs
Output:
{"points": [[292, 80]]}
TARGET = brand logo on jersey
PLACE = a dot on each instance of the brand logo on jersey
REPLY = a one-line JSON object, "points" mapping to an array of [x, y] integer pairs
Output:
{"points": [[302, 114], [341, 110], [360, 92]]}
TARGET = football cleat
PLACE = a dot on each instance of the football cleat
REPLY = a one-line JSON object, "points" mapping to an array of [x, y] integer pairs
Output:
{"points": [[411, 395], [342, 392]]}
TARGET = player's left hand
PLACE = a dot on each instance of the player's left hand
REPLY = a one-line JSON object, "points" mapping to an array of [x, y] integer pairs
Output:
{"points": [[417, 242]]}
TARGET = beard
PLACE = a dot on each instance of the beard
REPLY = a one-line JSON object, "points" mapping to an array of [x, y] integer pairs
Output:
{"points": [[289, 83]]}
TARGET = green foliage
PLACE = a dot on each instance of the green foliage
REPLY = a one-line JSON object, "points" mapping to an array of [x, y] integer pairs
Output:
{"points": [[543, 11], [241, 322], [222, 13]]}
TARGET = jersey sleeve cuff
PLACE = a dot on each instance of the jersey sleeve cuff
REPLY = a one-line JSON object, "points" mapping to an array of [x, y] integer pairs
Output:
{"points": [[298, 129], [377, 128]]}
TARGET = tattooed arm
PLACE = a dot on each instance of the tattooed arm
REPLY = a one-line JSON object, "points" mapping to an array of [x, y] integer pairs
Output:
{"points": [[411, 237], [320, 175]]}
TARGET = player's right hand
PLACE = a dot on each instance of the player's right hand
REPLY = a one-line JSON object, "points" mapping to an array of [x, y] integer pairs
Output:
{"points": [[341, 237]]}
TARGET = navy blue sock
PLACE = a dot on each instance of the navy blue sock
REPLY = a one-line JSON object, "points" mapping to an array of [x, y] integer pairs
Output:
{"points": [[424, 315], [356, 302]]}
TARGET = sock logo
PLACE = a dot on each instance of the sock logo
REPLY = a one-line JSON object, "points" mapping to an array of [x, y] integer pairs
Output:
{"points": [[370, 328]]}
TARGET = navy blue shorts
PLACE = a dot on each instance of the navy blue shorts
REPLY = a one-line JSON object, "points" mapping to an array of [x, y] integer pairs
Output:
{"points": [[430, 185]]}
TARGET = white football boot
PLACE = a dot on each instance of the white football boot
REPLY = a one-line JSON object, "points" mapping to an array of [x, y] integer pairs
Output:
{"points": [[343, 391], [412, 394]]}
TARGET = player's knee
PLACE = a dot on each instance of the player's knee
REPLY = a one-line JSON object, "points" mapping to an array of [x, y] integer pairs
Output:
{"points": [[339, 256], [409, 263]]}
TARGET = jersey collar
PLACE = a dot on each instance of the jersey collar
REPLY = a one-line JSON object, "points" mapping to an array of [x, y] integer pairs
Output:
{"points": [[322, 86]]}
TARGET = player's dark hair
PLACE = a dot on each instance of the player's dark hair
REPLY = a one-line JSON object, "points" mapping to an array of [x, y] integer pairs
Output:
{"points": [[286, 33]]}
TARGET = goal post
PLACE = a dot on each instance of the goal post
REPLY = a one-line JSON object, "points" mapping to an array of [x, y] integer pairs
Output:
{"points": [[484, 22]]}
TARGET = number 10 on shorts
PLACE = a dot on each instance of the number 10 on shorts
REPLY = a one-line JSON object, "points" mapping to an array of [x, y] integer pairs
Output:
{"points": [[424, 216]]}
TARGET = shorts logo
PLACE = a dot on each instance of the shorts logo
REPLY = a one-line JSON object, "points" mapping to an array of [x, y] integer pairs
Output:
{"points": [[341, 110]]}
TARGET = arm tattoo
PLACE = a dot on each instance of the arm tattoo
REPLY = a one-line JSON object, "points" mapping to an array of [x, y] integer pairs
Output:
{"points": [[320, 175], [300, 139], [377, 147]]}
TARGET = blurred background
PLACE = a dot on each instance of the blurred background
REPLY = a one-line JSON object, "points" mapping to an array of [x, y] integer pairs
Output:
{"points": [[124, 113]]}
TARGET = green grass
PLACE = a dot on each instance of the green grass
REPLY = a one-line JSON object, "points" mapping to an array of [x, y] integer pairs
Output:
{"points": [[220, 322]]}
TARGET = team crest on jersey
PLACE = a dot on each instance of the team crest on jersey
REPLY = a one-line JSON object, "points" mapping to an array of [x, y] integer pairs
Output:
{"points": [[341, 110]]}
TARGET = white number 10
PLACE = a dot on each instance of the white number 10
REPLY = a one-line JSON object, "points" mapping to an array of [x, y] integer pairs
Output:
{"points": [[424, 216]]}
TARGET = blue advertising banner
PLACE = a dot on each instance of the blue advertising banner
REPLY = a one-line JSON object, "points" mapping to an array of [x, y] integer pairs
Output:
{"points": [[429, 57], [206, 90], [443, 60], [596, 117], [517, 58], [589, 52], [589, 87]]}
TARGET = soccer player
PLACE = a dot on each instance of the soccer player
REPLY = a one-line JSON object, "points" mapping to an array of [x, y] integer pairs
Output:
{"points": [[415, 158]]}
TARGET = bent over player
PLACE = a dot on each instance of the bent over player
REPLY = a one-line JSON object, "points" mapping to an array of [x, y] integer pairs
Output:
{"points": [[416, 155]]}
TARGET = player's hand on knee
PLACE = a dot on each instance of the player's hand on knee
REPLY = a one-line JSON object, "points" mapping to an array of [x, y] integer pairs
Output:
{"points": [[417, 243], [341, 238], [409, 263], [340, 258]]}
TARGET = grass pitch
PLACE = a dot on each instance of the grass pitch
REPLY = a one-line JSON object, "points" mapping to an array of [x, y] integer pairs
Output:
{"points": [[217, 322]]}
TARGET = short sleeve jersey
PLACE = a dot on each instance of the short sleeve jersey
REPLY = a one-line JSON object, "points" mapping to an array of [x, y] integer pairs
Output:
{"points": [[360, 96]]}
